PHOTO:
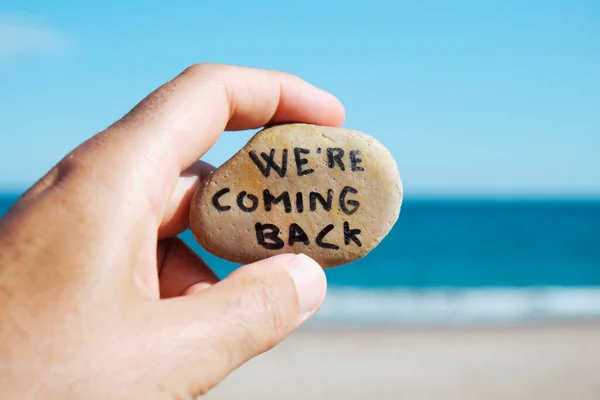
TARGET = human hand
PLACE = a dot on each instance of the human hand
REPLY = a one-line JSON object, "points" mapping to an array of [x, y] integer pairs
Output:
{"points": [[98, 297]]}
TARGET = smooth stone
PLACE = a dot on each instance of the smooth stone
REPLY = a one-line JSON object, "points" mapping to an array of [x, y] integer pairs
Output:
{"points": [[234, 216]]}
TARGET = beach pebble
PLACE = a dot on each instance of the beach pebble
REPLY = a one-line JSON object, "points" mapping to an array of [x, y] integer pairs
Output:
{"points": [[330, 193]]}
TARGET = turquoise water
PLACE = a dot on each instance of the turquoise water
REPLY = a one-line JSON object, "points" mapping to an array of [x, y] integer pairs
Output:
{"points": [[459, 262]]}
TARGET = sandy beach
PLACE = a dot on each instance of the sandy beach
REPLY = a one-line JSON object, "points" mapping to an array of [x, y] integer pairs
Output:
{"points": [[541, 362]]}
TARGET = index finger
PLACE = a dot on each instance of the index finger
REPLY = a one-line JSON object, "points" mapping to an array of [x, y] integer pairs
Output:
{"points": [[181, 120]]}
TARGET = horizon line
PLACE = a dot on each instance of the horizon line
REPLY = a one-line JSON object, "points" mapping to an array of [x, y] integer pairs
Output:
{"points": [[445, 197]]}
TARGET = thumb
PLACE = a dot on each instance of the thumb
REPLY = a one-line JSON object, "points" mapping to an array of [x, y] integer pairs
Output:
{"points": [[270, 298], [249, 312]]}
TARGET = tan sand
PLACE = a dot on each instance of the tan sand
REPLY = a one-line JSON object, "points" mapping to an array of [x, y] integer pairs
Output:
{"points": [[553, 362]]}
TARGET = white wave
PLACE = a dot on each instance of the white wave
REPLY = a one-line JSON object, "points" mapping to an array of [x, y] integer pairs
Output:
{"points": [[476, 306]]}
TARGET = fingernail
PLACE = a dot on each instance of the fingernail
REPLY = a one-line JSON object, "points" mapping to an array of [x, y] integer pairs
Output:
{"points": [[311, 284]]}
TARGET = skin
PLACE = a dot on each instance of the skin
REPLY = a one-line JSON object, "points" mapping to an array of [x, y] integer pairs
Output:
{"points": [[98, 297]]}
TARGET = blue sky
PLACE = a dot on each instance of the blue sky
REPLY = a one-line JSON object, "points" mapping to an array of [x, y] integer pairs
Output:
{"points": [[472, 97]]}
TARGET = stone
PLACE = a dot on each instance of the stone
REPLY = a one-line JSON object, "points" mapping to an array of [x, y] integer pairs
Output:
{"points": [[330, 193]]}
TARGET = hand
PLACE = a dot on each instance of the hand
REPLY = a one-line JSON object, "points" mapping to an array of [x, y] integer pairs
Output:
{"points": [[98, 297]]}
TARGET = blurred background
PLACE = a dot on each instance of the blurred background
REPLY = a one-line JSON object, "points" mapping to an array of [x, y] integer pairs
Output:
{"points": [[491, 110]]}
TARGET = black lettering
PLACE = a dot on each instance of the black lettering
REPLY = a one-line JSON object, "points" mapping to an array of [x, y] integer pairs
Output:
{"points": [[337, 158], [251, 197], [263, 168], [298, 151], [314, 196], [269, 200], [354, 161], [350, 234], [269, 232], [299, 202], [319, 241], [344, 204], [270, 162], [297, 234], [217, 196]]}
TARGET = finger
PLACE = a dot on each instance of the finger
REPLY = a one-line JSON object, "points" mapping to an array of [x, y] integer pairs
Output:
{"points": [[176, 216], [247, 313], [139, 158], [180, 269]]}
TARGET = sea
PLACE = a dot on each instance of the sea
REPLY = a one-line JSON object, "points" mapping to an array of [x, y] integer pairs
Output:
{"points": [[465, 262]]}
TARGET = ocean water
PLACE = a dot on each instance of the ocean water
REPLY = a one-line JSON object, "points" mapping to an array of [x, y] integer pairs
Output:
{"points": [[464, 262]]}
